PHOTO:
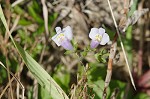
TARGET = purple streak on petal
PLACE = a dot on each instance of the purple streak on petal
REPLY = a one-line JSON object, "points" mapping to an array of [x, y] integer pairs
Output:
{"points": [[66, 44], [94, 44]]}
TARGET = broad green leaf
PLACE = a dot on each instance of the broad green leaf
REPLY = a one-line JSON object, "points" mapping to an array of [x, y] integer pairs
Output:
{"points": [[43, 78], [98, 87], [62, 77], [98, 71], [118, 84]]}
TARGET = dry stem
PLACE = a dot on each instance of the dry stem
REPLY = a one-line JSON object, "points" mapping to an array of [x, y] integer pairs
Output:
{"points": [[112, 54]]}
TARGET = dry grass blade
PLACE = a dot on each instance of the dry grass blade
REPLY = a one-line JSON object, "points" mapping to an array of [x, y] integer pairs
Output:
{"points": [[4, 90], [45, 15], [132, 81], [14, 26], [10, 84], [16, 3], [23, 89]]}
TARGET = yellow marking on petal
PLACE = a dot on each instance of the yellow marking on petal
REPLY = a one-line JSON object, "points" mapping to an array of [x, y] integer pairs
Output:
{"points": [[60, 37], [98, 37]]}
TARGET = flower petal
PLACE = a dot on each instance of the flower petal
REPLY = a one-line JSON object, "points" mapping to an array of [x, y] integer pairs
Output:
{"points": [[58, 30], [101, 31], [94, 44], [54, 38], [66, 44], [93, 33], [105, 39], [68, 32]]}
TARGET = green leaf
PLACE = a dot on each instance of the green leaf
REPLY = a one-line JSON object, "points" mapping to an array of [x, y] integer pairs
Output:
{"points": [[43, 78], [133, 8], [142, 96], [24, 22], [118, 84], [18, 10], [128, 44], [84, 53], [43, 94], [110, 32], [40, 30], [52, 18], [98, 87], [68, 52], [62, 77], [103, 60], [36, 6], [33, 13], [100, 57], [75, 44], [98, 71]]}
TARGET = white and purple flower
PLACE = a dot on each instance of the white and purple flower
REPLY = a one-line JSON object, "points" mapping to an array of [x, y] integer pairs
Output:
{"points": [[98, 36], [63, 37]]}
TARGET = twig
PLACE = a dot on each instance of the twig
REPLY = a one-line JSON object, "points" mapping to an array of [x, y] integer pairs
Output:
{"points": [[13, 27], [4, 90], [8, 70], [109, 68], [114, 94], [23, 89], [141, 44], [45, 15], [42, 54], [35, 90], [18, 74]]}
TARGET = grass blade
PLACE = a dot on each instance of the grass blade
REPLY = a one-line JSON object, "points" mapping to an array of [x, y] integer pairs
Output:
{"points": [[43, 78]]}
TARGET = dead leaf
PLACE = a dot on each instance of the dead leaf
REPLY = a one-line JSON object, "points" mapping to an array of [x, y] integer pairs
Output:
{"points": [[135, 17]]}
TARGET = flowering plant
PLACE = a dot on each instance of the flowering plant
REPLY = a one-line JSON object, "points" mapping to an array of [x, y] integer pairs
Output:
{"points": [[64, 36]]}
